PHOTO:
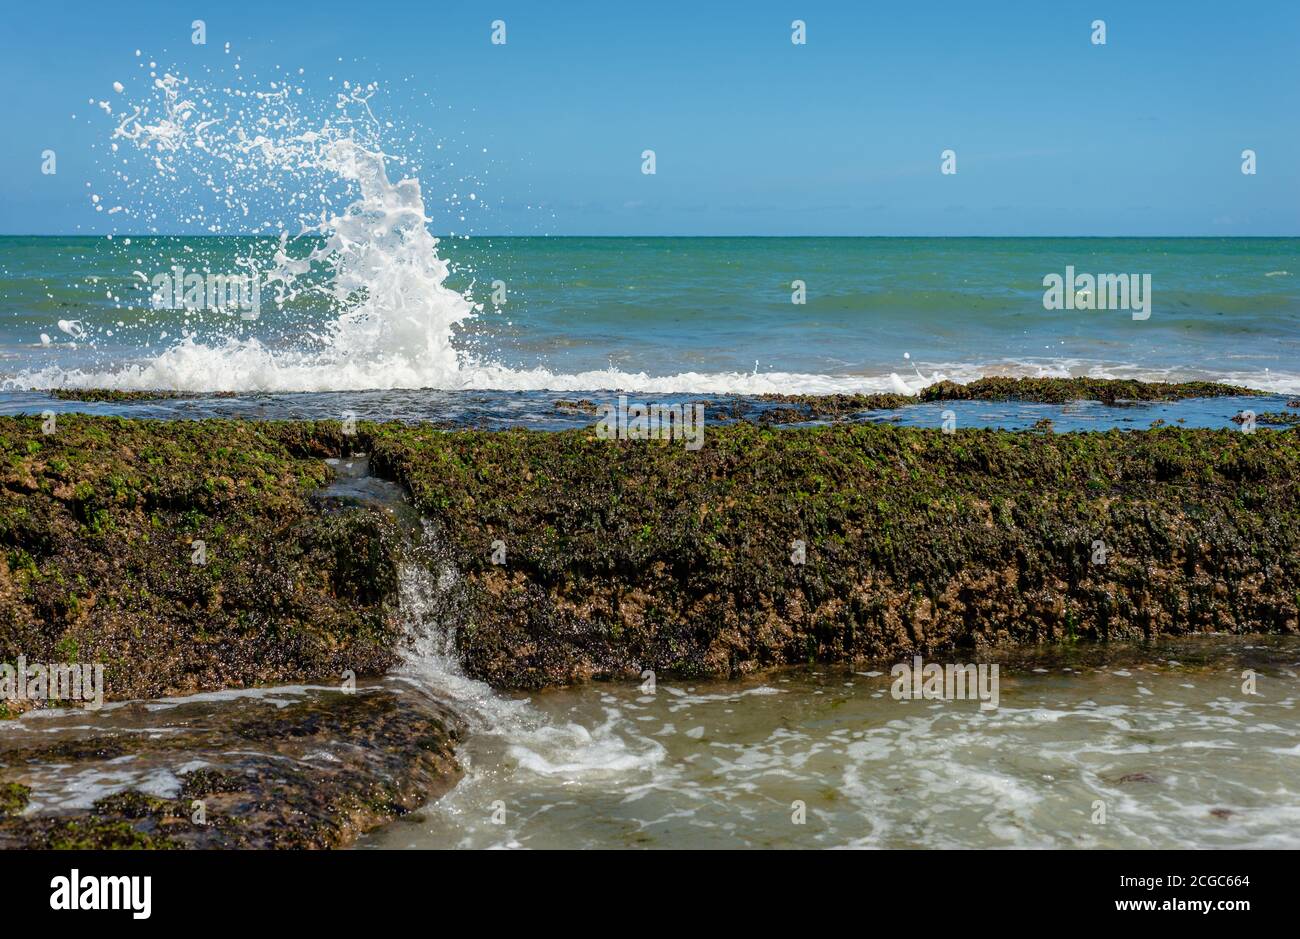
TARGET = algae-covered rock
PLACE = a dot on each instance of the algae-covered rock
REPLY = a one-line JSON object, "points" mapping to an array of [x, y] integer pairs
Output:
{"points": [[770, 547], [187, 555], [1062, 390], [572, 557], [1271, 418], [305, 770], [781, 408]]}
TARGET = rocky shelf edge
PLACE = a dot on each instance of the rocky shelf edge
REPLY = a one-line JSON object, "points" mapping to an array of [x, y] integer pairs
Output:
{"points": [[796, 408], [187, 556], [1040, 390], [622, 556]]}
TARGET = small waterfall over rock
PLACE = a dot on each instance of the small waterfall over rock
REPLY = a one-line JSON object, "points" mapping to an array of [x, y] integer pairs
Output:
{"points": [[433, 600]]}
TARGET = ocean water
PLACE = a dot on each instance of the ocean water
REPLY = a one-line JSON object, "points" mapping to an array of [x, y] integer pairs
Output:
{"points": [[1143, 747], [1155, 747], [654, 315], [319, 201]]}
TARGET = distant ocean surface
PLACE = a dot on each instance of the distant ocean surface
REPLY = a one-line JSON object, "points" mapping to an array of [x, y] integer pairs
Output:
{"points": [[667, 315]]}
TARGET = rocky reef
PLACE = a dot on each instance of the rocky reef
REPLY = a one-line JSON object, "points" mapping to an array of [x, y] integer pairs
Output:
{"points": [[795, 408], [584, 558], [187, 556], [783, 546], [190, 556]]}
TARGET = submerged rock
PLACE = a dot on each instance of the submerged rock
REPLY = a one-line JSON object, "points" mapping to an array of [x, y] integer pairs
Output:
{"points": [[796, 408], [287, 768], [1276, 418], [1061, 390]]}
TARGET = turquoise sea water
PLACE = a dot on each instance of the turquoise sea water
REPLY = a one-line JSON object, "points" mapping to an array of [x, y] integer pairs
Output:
{"points": [[664, 315]]}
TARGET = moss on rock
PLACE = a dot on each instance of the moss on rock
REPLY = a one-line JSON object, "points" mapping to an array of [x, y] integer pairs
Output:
{"points": [[625, 555], [100, 555], [13, 798], [1062, 390], [783, 409], [1273, 418], [114, 395]]}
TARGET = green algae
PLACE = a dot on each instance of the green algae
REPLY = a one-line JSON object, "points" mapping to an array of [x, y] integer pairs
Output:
{"points": [[1277, 418], [187, 555], [13, 798], [805, 407], [1063, 390], [625, 555], [114, 395]]}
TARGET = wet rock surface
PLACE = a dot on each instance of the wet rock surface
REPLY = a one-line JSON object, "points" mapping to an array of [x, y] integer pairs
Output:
{"points": [[787, 409], [285, 768]]}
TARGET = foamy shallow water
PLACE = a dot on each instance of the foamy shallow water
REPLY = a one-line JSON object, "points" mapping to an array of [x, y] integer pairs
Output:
{"points": [[1164, 738]]}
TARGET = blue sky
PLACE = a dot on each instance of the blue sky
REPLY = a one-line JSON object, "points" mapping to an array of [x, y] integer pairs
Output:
{"points": [[753, 135]]}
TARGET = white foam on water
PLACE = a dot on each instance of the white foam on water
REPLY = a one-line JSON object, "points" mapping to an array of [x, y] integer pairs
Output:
{"points": [[878, 773], [56, 788], [222, 157], [247, 365]]}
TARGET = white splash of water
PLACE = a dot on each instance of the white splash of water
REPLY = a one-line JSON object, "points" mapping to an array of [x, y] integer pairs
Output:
{"points": [[266, 159], [372, 259]]}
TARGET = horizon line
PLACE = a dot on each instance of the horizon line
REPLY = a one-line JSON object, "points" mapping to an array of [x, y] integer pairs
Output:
{"points": [[447, 237]]}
